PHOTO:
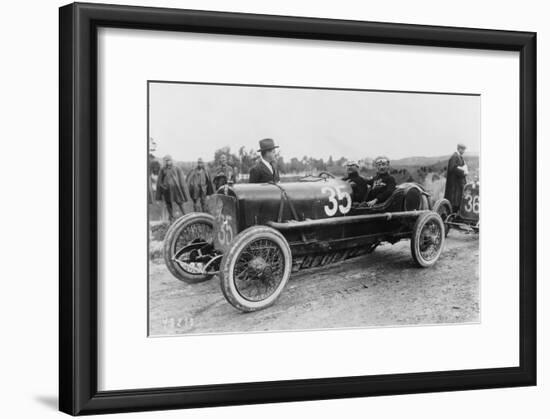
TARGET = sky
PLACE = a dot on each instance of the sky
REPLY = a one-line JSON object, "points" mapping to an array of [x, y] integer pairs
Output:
{"points": [[189, 121]]}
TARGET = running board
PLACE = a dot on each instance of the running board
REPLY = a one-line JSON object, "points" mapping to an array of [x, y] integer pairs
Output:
{"points": [[386, 216]]}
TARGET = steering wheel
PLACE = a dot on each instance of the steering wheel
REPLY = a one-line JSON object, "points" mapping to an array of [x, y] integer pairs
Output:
{"points": [[326, 174]]}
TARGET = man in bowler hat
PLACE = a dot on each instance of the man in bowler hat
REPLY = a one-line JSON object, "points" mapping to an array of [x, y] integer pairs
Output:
{"points": [[264, 170]]}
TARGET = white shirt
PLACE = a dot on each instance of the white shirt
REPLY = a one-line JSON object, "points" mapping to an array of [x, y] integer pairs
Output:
{"points": [[267, 164]]}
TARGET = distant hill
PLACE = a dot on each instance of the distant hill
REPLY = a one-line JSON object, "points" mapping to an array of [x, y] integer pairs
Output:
{"points": [[429, 161]]}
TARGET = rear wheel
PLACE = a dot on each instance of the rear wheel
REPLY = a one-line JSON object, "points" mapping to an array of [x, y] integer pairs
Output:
{"points": [[443, 208], [256, 268], [185, 241], [427, 239]]}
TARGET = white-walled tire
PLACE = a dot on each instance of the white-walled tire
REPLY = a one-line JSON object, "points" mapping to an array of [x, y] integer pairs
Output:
{"points": [[256, 268], [427, 239], [194, 226]]}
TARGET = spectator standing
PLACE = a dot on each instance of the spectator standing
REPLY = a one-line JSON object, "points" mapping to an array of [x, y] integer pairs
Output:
{"points": [[265, 170], [200, 186], [171, 187], [224, 174], [154, 169], [456, 177]]}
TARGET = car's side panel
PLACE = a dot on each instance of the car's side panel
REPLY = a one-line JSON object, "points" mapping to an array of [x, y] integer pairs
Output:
{"points": [[260, 203], [469, 207], [244, 205]]}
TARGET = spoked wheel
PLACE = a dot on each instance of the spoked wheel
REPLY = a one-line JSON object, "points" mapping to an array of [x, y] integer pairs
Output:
{"points": [[188, 247], [427, 239], [443, 208], [256, 268]]}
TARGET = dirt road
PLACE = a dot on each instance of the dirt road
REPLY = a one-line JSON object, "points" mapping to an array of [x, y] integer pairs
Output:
{"points": [[380, 289]]}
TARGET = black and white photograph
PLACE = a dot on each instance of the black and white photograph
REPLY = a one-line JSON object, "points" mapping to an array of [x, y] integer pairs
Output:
{"points": [[272, 209], [284, 208]]}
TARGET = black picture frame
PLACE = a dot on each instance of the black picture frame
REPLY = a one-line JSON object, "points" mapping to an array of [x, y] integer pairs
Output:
{"points": [[78, 254]]}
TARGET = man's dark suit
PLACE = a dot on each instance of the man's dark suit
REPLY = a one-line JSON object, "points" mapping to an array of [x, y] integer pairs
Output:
{"points": [[456, 179], [383, 185], [261, 174]]}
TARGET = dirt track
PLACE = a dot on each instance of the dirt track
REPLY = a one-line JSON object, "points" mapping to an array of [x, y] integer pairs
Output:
{"points": [[380, 289]]}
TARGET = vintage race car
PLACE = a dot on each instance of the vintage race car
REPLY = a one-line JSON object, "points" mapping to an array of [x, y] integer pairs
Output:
{"points": [[258, 234], [467, 217]]}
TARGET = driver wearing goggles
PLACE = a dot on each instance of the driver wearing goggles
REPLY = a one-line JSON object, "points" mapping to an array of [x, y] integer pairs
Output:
{"points": [[382, 184]]}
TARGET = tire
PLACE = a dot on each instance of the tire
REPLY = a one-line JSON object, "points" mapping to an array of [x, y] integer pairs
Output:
{"points": [[444, 209], [171, 245], [256, 272], [423, 255]]}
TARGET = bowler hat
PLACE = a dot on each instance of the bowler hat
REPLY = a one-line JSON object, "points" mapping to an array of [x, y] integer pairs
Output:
{"points": [[267, 144]]}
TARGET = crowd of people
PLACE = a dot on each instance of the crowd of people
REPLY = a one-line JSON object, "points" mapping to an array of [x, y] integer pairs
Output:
{"points": [[378, 189], [171, 186], [168, 183]]}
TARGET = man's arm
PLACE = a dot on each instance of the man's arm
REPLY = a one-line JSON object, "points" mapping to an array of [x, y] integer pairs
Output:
{"points": [[209, 183], [253, 176], [363, 189], [158, 193], [455, 167], [190, 182], [388, 190], [182, 184]]}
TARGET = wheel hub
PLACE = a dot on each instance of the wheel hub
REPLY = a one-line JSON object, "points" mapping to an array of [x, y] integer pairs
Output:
{"points": [[258, 267], [430, 238], [430, 241]]}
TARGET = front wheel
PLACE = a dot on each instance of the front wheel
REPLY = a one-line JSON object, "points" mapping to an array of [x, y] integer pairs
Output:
{"points": [[256, 268], [187, 247], [427, 239]]}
